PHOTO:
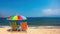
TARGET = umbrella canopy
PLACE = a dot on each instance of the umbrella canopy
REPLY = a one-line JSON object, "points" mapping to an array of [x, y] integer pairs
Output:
{"points": [[17, 17]]}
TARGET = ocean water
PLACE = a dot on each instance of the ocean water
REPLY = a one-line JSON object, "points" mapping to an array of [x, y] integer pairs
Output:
{"points": [[36, 21]]}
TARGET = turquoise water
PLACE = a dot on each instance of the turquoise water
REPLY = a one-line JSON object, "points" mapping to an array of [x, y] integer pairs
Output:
{"points": [[36, 21]]}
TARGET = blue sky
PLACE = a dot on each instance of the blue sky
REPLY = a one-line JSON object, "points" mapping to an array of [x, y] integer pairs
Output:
{"points": [[30, 8]]}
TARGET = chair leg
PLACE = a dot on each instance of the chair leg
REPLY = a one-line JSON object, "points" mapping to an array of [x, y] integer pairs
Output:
{"points": [[20, 29], [11, 30], [23, 29]]}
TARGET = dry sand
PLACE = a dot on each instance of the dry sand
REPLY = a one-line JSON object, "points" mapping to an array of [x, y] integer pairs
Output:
{"points": [[30, 30]]}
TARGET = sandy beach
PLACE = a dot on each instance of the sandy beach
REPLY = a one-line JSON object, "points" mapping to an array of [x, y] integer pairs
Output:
{"points": [[31, 30]]}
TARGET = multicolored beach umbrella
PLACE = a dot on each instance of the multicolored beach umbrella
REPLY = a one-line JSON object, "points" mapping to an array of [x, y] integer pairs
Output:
{"points": [[17, 17]]}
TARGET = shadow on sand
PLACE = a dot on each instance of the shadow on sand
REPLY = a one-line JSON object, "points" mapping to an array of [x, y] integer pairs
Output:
{"points": [[16, 30], [1, 27], [10, 30]]}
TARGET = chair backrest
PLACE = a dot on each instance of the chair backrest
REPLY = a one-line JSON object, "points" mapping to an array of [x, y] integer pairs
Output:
{"points": [[23, 25], [13, 25]]}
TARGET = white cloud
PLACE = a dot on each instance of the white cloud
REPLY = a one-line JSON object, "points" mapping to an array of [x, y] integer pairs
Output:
{"points": [[51, 12], [47, 11]]}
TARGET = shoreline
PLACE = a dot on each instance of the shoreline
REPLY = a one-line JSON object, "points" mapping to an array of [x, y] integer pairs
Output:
{"points": [[37, 26]]}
